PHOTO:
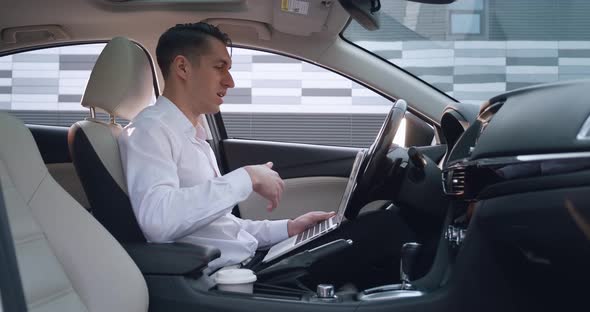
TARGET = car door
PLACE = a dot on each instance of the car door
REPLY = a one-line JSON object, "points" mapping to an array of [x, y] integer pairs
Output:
{"points": [[307, 120]]}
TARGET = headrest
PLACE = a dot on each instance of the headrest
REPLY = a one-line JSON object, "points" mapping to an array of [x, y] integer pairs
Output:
{"points": [[121, 82]]}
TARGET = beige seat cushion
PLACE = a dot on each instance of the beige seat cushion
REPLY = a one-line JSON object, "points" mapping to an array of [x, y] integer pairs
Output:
{"points": [[67, 261]]}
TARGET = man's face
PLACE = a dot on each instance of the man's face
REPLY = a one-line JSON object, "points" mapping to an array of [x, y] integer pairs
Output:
{"points": [[209, 78]]}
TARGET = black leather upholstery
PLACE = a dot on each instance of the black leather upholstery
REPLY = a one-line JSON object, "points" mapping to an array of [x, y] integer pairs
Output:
{"points": [[171, 259]]}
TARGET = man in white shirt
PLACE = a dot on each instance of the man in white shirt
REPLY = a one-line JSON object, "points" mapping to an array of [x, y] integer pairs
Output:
{"points": [[176, 189]]}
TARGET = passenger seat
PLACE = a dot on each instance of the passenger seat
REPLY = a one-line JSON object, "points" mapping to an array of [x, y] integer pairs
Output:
{"points": [[121, 84], [67, 261]]}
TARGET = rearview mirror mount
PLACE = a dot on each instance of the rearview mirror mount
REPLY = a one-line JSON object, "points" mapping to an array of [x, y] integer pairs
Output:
{"points": [[363, 12]]}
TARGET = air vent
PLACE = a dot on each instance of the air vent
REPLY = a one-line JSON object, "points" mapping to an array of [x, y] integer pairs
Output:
{"points": [[454, 181]]}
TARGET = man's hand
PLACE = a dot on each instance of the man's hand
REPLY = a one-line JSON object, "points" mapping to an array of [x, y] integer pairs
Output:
{"points": [[267, 183], [306, 221]]}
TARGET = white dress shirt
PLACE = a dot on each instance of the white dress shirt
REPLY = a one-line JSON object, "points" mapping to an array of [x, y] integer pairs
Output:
{"points": [[177, 192]]}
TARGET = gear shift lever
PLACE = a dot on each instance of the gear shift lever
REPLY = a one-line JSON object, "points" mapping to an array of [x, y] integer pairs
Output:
{"points": [[409, 253]]}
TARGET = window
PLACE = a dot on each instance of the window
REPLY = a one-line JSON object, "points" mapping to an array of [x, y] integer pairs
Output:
{"points": [[466, 17], [465, 23], [45, 86], [278, 98], [475, 49]]}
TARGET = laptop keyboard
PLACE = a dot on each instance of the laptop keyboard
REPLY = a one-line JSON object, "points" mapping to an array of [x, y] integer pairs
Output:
{"points": [[313, 231]]}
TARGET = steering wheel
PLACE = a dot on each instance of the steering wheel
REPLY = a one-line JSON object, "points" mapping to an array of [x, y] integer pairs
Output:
{"points": [[374, 159]]}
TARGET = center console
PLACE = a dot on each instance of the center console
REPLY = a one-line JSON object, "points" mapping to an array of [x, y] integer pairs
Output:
{"points": [[280, 280]]}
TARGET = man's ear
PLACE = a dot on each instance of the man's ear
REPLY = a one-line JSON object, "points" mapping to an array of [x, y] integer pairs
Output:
{"points": [[181, 67]]}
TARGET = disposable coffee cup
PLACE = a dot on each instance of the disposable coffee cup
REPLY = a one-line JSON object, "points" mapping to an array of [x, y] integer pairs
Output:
{"points": [[235, 280]]}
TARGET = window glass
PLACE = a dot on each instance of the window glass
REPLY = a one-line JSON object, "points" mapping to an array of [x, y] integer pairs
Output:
{"points": [[279, 98], [45, 86], [475, 49], [465, 23], [467, 5]]}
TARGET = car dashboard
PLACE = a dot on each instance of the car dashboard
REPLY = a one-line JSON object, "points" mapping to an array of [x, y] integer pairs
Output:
{"points": [[522, 134], [518, 179]]}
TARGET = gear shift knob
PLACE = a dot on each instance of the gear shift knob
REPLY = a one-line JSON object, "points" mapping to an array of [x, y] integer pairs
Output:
{"points": [[409, 253]]}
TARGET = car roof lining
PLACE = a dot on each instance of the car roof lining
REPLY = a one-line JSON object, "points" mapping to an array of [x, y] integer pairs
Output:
{"points": [[101, 19]]}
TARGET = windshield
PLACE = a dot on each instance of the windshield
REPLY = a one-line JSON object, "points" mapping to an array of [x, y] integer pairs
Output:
{"points": [[475, 49]]}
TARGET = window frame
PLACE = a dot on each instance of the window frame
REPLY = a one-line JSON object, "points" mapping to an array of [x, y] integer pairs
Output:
{"points": [[84, 42], [217, 122], [413, 111]]}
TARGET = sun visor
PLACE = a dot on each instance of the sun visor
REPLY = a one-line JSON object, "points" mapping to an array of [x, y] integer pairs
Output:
{"points": [[299, 17], [244, 28]]}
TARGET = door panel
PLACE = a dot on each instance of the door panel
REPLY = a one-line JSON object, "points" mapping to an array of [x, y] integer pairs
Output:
{"points": [[315, 176], [291, 160], [301, 195]]}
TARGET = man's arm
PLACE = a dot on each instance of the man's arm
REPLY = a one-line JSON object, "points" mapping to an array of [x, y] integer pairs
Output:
{"points": [[269, 233], [164, 210], [267, 183], [266, 232]]}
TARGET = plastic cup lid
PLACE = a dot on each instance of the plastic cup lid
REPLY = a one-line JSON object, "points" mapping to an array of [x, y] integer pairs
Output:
{"points": [[235, 276]]}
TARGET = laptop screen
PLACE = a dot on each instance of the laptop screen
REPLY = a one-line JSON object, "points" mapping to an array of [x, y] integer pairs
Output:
{"points": [[360, 156], [291, 243]]}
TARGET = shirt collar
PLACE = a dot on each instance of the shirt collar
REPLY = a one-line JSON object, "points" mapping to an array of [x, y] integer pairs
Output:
{"points": [[201, 133], [176, 119]]}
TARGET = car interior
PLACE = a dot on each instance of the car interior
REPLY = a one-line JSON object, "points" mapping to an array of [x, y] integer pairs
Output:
{"points": [[492, 196]]}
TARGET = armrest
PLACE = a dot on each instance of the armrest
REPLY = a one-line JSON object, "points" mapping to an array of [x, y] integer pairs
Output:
{"points": [[170, 259]]}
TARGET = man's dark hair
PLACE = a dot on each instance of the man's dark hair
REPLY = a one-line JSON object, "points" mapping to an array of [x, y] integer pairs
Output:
{"points": [[188, 40]]}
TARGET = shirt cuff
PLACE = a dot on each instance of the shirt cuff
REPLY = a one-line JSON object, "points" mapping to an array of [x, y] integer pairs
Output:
{"points": [[242, 182], [279, 230]]}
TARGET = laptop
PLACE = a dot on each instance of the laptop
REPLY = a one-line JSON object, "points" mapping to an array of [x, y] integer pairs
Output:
{"points": [[323, 227]]}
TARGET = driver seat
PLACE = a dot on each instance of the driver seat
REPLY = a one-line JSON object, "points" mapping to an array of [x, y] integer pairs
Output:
{"points": [[121, 84]]}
